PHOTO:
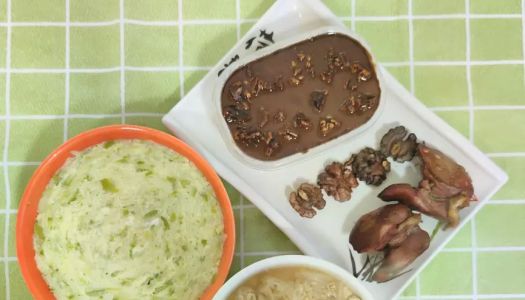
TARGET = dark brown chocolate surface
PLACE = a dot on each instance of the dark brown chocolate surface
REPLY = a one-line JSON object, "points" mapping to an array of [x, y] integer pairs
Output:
{"points": [[301, 96]]}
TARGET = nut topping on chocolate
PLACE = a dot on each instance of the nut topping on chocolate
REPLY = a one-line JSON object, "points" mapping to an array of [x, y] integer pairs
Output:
{"points": [[310, 92], [279, 117], [327, 124], [302, 122]]}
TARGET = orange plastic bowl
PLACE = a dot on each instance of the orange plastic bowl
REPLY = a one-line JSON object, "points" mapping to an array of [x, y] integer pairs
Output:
{"points": [[27, 211]]}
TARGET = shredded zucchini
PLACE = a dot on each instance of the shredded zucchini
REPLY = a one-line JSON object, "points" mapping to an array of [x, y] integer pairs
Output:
{"points": [[128, 219]]}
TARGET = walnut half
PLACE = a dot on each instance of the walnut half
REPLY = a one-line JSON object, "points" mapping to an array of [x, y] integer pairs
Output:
{"points": [[305, 199]]}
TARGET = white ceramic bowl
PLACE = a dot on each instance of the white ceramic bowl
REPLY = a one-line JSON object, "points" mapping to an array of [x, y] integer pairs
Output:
{"points": [[292, 261]]}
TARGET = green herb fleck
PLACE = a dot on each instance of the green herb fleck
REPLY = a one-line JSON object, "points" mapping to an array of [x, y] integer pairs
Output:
{"points": [[184, 248], [173, 217], [124, 159], [165, 223], [39, 231], [204, 242], [108, 186], [73, 198], [109, 144], [151, 214]]}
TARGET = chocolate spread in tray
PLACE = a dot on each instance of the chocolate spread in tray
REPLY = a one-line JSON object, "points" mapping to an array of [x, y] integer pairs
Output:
{"points": [[300, 96]]}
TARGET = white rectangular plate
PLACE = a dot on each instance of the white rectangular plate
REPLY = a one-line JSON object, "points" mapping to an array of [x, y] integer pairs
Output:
{"points": [[326, 235]]}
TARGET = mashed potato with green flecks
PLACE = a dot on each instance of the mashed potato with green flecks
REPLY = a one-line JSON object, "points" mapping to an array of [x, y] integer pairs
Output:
{"points": [[128, 219]]}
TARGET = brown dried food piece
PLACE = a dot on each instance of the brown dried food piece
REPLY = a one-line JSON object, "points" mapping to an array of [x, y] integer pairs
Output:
{"points": [[395, 230], [318, 99], [421, 199], [338, 181], [302, 122], [370, 166], [305, 199], [374, 230], [327, 125], [399, 144], [445, 189], [398, 258], [233, 115], [447, 178]]}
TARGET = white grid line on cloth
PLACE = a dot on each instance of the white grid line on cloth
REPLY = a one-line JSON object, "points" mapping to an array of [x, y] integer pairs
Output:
{"points": [[506, 154], [478, 107], [523, 36], [8, 211], [412, 87], [6, 149], [122, 64], [473, 237], [181, 49], [432, 17], [78, 116], [506, 202], [67, 75], [8, 259], [241, 231], [242, 254], [352, 18], [104, 70]]}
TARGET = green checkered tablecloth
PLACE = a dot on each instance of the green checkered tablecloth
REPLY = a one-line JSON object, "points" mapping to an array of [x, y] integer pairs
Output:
{"points": [[70, 65]]}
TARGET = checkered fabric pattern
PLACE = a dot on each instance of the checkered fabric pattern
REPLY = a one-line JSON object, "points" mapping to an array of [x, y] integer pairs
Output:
{"points": [[70, 65]]}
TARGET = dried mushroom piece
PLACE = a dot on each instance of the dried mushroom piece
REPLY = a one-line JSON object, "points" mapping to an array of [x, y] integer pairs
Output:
{"points": [[305, 199], [445, 189], [399, 144], [327, 125], [398, 258], [318, 99], [447, 177], [338, 181], [393, 229], [370, 166]]}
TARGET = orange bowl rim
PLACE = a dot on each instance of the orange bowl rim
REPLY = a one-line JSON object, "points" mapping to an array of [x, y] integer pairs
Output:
{"points": [[28, 207]]}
